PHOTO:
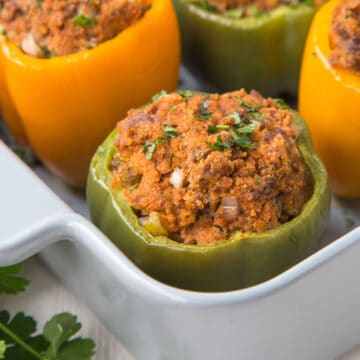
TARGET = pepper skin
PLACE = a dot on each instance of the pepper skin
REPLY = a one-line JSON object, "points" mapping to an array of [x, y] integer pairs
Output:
{"points": [[329, 102], [238, 262], [262, 52], [67, 105]]}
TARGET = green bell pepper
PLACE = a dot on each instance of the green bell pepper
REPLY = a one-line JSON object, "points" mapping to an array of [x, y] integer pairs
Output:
{"points": [[261, 52], [241, 261]]}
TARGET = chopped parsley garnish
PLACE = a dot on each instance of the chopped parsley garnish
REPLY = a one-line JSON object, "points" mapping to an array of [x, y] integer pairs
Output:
{"points": [[236, 117], [234, 13], [159, 95], [38, 4], [186, 94], [248, 129], [149, 148], [257, 181], [84, 20], [220, 145], [242, 140], [204, 114], [169, 131], [47, 53], [172, 109], [214, 129], [281, 102]]}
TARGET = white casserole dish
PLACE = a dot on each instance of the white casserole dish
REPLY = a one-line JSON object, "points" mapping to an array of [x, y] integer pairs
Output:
{"points": [[311, 311]]}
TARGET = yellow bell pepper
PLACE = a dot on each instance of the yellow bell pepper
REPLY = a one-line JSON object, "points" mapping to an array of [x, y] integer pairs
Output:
{"points": [[67, 105], [329, 101]]}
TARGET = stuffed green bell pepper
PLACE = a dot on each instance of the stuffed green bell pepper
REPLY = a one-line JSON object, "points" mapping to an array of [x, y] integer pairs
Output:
{"points": [[210, 192], [257, 44]]}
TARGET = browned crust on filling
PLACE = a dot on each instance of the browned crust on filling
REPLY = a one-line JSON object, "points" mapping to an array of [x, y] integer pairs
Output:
{"points": [[54, 28], [344, 36], [202, 184]]}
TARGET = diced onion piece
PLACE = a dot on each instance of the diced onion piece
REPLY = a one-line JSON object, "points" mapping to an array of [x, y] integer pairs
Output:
{"points": [[231, 208], [177, 178], [153, 225], [29, 46]]}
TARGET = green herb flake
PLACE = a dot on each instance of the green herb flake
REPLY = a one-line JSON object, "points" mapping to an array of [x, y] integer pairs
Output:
{"points": [[149, 148], [47, 53], [212, 129], [220, 145], [236, 117], [10, 281], [38, 4], [204, 114], [257, 181], [2, 349], [172, 109], [169, 131], [223, 127], [281, 102], [248, 129], [234, 13], [186, 94], [293, 238], [159, 95], [84, 20]]}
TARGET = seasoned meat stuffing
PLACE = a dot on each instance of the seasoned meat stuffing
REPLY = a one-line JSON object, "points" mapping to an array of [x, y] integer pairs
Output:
{"points": [[247, 8], [345, 35], [47, 28], [210, 165]]}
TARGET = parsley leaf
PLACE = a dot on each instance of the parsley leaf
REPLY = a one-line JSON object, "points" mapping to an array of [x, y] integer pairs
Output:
{"points": [[220, 145], [186, 94], [10, 283], [149, 148], [236, 117], [38, 4], [243, 141], [281, 102], [17, 333], [84, 20], [203, 113], [158, 95], [19, 342], [169, 131], [58, 332]]}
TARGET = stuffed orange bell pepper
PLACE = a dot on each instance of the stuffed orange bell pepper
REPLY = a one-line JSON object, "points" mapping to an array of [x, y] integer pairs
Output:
{"points": [[66, 103], [329, 98]]}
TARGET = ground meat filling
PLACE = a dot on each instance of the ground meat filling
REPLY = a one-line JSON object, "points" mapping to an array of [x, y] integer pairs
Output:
{"points": [[246, 8], [47, 28], [205, 166], [345, 36]]}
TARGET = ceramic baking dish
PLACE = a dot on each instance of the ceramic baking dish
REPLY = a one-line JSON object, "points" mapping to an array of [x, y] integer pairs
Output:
{"points": [[310, 312]]}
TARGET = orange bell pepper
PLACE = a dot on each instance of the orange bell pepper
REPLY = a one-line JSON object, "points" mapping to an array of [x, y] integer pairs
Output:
{"points": [[67, 105], [329, 101]]}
